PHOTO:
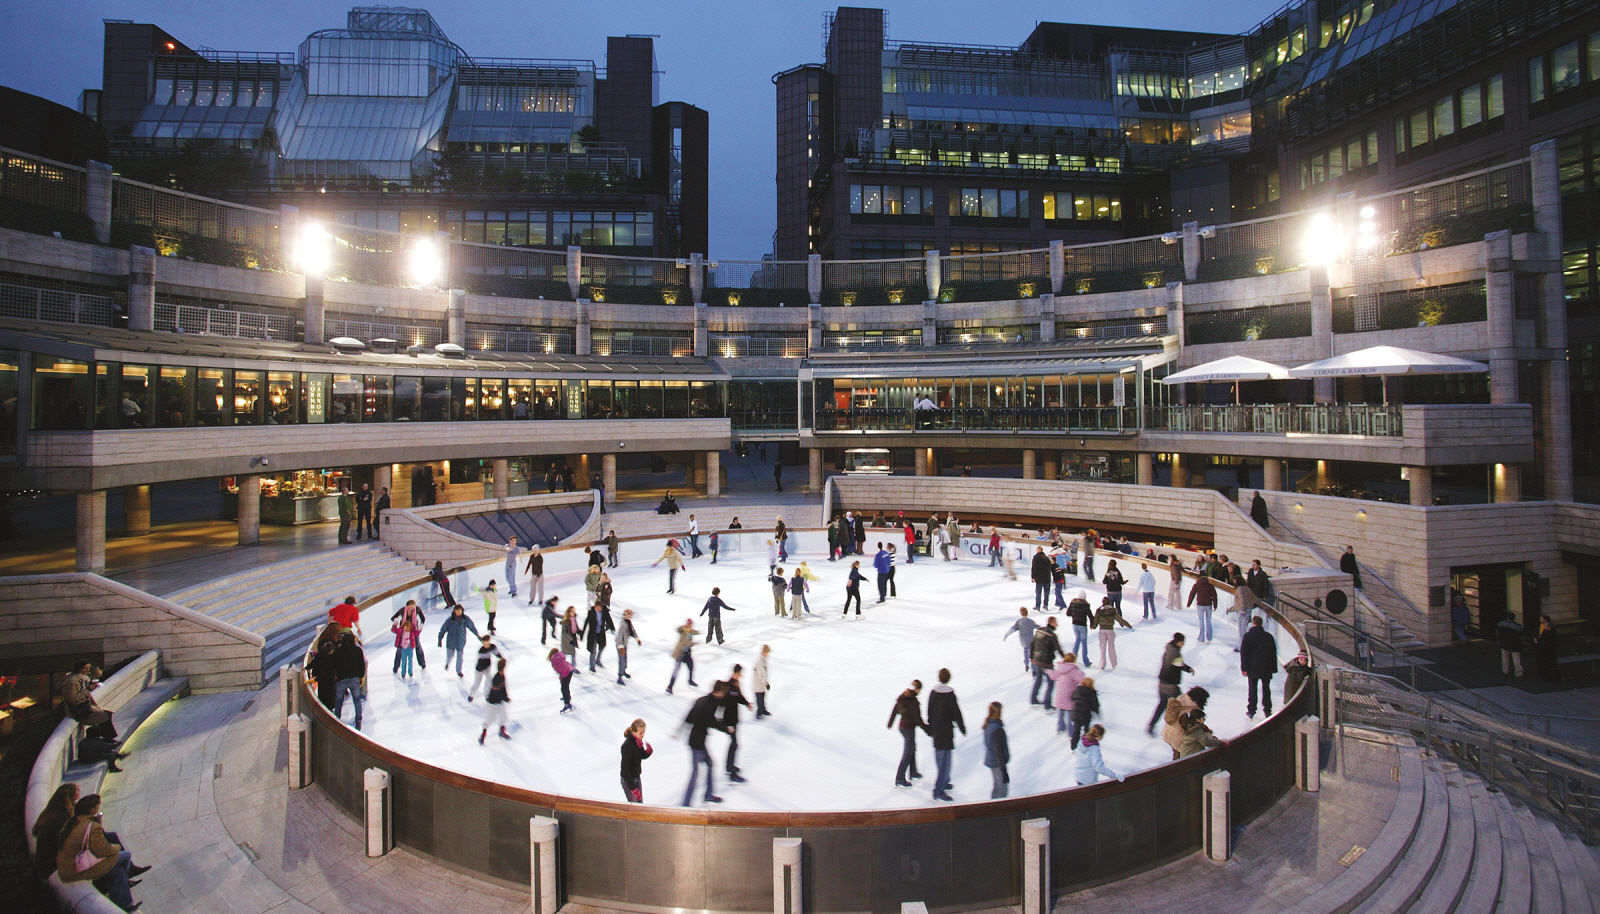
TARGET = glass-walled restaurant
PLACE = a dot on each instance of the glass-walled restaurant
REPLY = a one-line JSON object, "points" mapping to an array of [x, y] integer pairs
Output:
{"points": [[73, 394], [1088, 396]]}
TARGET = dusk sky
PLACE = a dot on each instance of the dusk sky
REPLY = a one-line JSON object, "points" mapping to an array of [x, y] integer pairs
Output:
{"points": [[717, 55]]}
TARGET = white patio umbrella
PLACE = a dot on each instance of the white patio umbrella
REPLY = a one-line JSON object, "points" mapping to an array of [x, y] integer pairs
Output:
{"points": [[1384, 361], [1233, 368]]}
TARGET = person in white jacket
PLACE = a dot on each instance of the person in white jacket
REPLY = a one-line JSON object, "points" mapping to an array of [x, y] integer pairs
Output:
{"points": [[761, 683], [1147, 591], [1090, 764]]}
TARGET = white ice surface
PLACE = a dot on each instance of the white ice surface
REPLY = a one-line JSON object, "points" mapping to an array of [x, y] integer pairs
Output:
{"points": [[834, 681]]}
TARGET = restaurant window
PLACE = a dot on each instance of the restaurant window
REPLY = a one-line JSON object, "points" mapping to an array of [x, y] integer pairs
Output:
{"points": [[463, 399], [10, 376], [107, 399], [676, 397], [248, 402], [492, 404], [346, 401], [407, 399], [62, 393], [213, 397], [377, 398], [705, 400], [138, 397], [650, 405], [624, 399], [599, 400], [435, 399], [282, 395], [519, 398]]}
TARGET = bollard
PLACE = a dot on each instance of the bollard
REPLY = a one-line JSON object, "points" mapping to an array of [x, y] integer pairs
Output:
{"points": [[1308, 753], [378, 812], [299, 752], [786, 876], [542, 831], [1036, 866], [288, 679], [1328, 696], [1217, 816]]}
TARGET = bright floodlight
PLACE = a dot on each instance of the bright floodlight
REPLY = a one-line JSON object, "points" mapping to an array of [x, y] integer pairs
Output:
{"points": [[424, 264], [311, 249], [1367, 228], [1322, 240]]}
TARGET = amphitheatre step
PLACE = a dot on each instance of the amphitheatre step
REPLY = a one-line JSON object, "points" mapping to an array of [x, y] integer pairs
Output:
{"points": [[1546, 877], [1552, 844], [1516, 877], [257, 616], [1588, 865], [1482, 888], [297, 581], [1421, 854], [1367, 874], [1457, 857], [263, 573]]}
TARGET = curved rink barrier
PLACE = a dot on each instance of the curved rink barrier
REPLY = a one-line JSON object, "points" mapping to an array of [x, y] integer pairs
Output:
{"points": [[968, 855]]}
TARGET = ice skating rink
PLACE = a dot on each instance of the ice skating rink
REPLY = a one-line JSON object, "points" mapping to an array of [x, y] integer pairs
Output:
{"points": [[834, 681]]}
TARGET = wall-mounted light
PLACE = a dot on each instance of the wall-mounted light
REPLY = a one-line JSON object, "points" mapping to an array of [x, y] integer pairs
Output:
{"points": [[1361, 513]]}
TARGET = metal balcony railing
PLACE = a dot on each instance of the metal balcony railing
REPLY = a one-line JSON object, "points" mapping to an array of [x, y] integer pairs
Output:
{"points": [[1042, 418], [1370, 419]]}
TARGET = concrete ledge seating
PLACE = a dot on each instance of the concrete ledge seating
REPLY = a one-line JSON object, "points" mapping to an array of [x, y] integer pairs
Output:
{"points": [[133, 693]]}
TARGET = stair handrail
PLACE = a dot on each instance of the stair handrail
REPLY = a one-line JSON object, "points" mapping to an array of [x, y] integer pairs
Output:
{"points": [[1317, 548]]}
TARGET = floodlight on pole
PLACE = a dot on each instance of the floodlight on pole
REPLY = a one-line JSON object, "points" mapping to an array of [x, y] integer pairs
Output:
{"points": [[1322, 241], [1367, 227], [423, 263], [311, 252]]}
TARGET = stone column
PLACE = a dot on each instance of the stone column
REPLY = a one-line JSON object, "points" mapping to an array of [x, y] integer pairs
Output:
{"points": [[1556, 412], [382, 478], [1050, 468], [930, 324], [135, 510], [696, 465], [814, 278], [582, 336], [97, 200], [249, 510], [1321, 327], [697, 278], [1500, 292], [713, 474], [919, 461], [141, 288], [1036, 894], [315, 310], [501, 468], [1507, 482], [456, 317], [1180, 472], [1272, 475], [814, 326], [574, 269], [289, 684], [1191, 251], [786, 858], [299, 752], [608, 476], [1145, 468], [1175, 310], [377, 811], [542, 833], [814, 465], [702, 336], [1058, 267], [1047, 317], [1421, 479], [1215, 815], [91, 531], [1308, 754], [933, 271], [1030, 463]]}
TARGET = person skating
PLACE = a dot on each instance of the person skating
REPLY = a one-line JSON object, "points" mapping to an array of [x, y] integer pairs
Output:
{"points": [[780, 534], [910, 534], [1174, 584], [780, 586], [714, 608], [550, 619], [909, 710], [1058, 580], [572, 635], [893, 592], [996, 751], [683, 653], [953, 531], [491, 602], [565, 670], [1065, 676], [797, 595], [320, 666], [1085, 705], [1258, 660], [350, 668], [483, 667], [494, 710], [994, 546], [453, 637], [804, 570], [625, 631], [1113, 581], [1024, 627], [613, 549], [944, 718], [1046, 648], [674, 560], [1106, 620], [1087, 553], [1039, 573], [1147, 592], [591, 584], [694, 538], [1172, 733], [1169, 678], [595, 626], [713, 543], [732, 699], [441, 580], [1081, 614], [512, 553], [1091, 764], [1196, 736], [852, 589], [1203, 597], [762, 682], [413, 612], [347, 616], [535, 570], [883, 564], [634, 751], [405, 645], [833, 540], [702, 717]]}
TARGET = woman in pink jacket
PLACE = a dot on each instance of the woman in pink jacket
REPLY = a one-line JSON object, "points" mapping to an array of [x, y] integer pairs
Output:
{"points": [[564, 670], [1066, 675], [405, 643]]}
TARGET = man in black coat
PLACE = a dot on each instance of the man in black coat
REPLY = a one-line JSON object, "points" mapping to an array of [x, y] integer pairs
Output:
{"points": [[944, 716], [1041, 579], [1258, 660], [731, 701], [702, 717], [1046, 648]]}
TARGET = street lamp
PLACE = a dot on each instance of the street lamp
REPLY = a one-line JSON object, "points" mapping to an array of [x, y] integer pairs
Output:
{"points": [[311, 251], [423, 263], [1322, 241]]}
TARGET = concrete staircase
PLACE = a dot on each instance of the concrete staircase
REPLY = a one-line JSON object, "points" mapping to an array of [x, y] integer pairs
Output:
{"points": [[284, 602]]}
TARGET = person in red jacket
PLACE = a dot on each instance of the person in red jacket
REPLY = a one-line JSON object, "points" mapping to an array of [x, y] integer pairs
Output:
{"points": [[1203, 597], [347, 616]]}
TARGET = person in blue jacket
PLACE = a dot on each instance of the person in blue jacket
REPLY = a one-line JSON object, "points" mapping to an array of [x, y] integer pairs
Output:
{"points": [[1090, 764], [884, 563], [996, 751], [714, 607], [453, 636], [852, 588]]}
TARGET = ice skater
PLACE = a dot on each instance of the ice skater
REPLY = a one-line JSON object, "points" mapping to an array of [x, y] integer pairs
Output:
{"points": [[564, 672], [762, 682], [852, 588], [494, 711], [908, 708], [714, 608], [1039, 573], [996, 751], [625, 631], [1147, 592], [511, 567], [613, 549], [797, 595], [634, 751], [1046, 648], [1024, 627], [1085, 705], [1106, 620], [674, 560], [488, 652], [1091, 765], [944, 716], [780, 586], [405, 645], [535, 570], [883, 564], [549, 621], [413, 613], [1065, 676], [683, 653], [1082, 614], [491, 602], [694, 538], [572, 633], [453, 637], [732, 699], [441, 580], [701, 718], [1203, 597], [595, 626], [713, 542], [805, 571]]}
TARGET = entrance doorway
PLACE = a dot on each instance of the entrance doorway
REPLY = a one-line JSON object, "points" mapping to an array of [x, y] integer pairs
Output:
{"points": [[1493, 592]]}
